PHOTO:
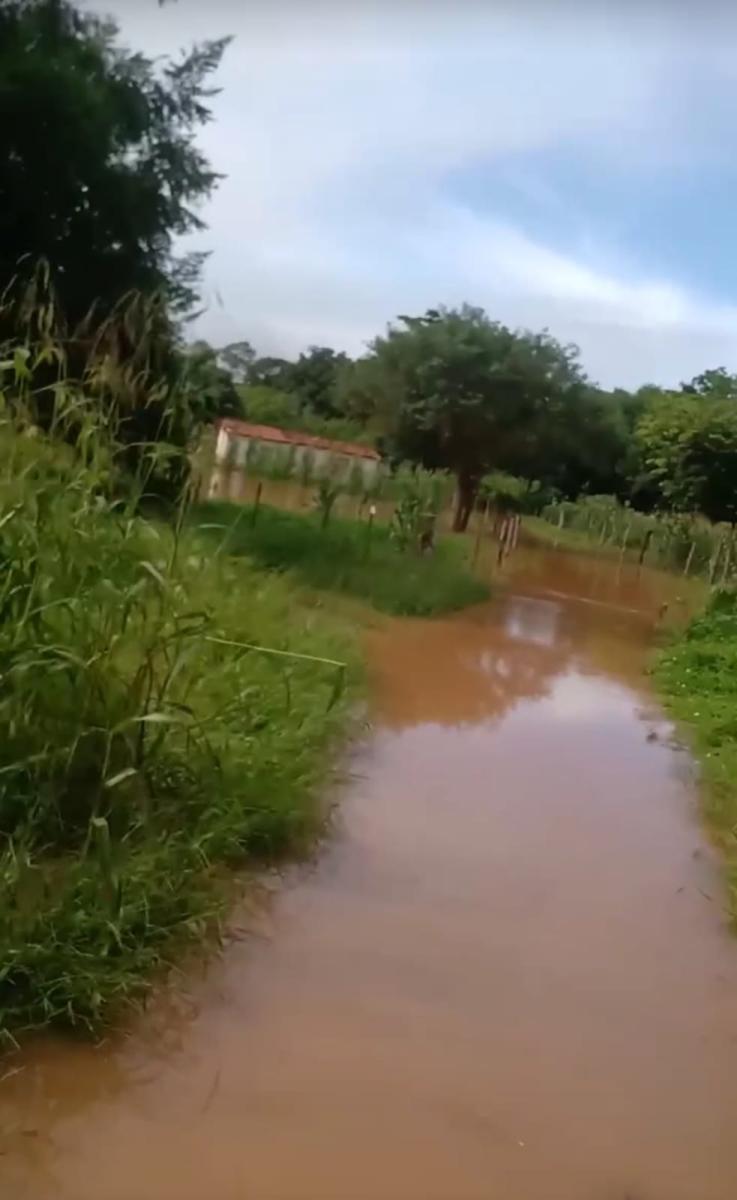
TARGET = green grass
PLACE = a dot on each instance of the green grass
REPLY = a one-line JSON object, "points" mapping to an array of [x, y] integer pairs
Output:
{"points": [[568, 539], [676, 542], [697, 677], [346, 556], [166, 713]]}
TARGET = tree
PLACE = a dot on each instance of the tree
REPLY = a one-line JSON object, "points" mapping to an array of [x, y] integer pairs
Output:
{"points": [[313, 378], [717, 382], [268, 406], [464, 391], [689, 448], [98, 166], [209, 387], [237, 358], [269, 372], [577, 442]]}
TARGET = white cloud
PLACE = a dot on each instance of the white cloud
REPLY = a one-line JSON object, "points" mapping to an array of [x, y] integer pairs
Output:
{"points": [[338, 127]]}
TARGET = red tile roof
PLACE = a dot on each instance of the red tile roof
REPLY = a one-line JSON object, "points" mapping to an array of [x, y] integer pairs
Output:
{"points": [[294, 437]]}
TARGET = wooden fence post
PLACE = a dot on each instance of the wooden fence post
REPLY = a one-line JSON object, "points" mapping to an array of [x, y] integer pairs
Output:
{"points": [[502, 541], [645, 546], [257, 502], [715, 561], [689, 560]]}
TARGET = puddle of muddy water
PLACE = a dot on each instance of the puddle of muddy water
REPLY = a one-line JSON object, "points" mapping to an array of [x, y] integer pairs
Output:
{"points": [[508, 977]]}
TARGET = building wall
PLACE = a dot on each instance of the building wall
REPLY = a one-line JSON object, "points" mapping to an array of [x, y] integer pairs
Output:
{"points": [[232, 451]]}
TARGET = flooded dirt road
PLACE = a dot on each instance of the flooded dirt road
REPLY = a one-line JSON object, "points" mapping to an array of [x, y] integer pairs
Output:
{"points": [[508, 976]]}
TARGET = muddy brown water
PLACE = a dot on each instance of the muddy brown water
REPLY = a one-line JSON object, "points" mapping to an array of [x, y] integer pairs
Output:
{"points": [[507, 977]]}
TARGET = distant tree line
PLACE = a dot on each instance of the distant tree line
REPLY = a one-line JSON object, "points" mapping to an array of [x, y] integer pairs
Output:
{"points": [[453, 390]]}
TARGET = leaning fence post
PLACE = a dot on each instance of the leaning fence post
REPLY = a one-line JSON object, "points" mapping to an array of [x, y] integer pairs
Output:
{"points": [[502, 541], [689, 559], [645, 546], [715, 561]]}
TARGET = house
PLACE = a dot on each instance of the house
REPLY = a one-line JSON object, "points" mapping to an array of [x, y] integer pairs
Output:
{"points": [[239, 442]]}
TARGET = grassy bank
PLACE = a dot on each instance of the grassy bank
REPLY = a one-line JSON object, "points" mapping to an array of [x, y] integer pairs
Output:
{"points": [[686, 544], [346, 556], [165, 712], [568, 539], [697, 677]]}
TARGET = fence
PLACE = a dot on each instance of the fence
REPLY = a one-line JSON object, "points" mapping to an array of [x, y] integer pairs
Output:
{"points": [[674, 542]]}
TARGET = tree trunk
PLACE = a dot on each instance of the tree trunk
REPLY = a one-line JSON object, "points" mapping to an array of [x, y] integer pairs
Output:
{"points": [[467, 489]]}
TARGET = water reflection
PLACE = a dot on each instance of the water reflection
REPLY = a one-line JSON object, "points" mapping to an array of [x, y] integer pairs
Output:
{"points": [[532, 621]]}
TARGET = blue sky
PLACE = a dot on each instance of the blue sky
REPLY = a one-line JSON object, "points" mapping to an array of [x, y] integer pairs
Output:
{"points": [[565, 165]]}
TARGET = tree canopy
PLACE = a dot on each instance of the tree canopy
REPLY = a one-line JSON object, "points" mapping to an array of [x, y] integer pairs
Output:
{"points": [[464, 392], [689, 448], [99, 171]]}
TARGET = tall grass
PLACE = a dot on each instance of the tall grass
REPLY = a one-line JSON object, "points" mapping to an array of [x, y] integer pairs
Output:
{"points": [[697, 677], [347, 556], [165, 709]]}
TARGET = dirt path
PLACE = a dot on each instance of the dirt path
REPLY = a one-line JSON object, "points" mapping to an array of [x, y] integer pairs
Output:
{"points": [[507, 978]]}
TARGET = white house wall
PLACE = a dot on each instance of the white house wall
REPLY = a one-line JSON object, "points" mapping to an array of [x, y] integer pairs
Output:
{"points": [[232, 450]]}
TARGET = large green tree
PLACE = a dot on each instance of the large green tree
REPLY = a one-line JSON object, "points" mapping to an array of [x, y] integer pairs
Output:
{"points": [[313, 378], [689, 449], [99, 171], [716, 382], [466, 393], [237, 358]]}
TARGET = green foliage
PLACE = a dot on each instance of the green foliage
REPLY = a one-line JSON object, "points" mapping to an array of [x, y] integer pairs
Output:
{"points": [[465, 389], [697, 675], [325, 496], [237, 358], [511, 493], [165, 709], [99, 167], [265, 405], [123, 375], [669, 540], [419, 497], [716, 383], [313, 379], [268, 371], [210, 385], [348, 556], [689, 447]]}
